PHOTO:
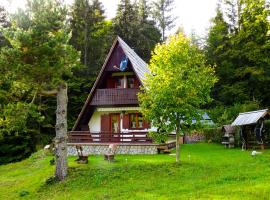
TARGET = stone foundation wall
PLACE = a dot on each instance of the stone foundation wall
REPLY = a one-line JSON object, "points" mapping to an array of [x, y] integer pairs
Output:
{"points": [[121, 149]]}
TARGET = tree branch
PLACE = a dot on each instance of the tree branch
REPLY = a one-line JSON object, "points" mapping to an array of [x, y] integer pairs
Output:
{"points": [[48, 92], [34, 97]]}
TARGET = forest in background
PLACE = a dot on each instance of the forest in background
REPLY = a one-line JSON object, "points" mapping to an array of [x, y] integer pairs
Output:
{"points": [[237, 45]]}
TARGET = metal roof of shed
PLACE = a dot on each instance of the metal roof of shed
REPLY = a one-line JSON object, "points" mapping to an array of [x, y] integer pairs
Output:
{"points": [[249, 117]]}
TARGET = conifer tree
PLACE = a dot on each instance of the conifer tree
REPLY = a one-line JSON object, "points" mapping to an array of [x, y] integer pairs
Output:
{"points": [[162, 14], [133, 24], [41, 57]]}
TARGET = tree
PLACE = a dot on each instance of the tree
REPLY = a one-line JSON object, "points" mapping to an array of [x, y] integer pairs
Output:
{"points": [[161, 13], [132, 23], [233, 9], [89, 33], [239, 48], [179, 84], [217, 45], [41, 57], [250, 49], [92, 36], [4, 22], [148, 35]]}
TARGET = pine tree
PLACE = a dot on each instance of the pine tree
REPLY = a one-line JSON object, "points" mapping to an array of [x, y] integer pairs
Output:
{"points": [[132, 23], [4, 22], [239, 48], [92, 36], [162, 14], [88, 30], [251, 49], [41, 57]]}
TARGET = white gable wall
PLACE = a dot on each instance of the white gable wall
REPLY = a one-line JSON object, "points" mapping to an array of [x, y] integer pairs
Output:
{"points": [[95, 121]]}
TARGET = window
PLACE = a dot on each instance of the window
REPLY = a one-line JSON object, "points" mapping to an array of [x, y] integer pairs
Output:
{"points": [[119, 83], [131, 82], [135, 120]]}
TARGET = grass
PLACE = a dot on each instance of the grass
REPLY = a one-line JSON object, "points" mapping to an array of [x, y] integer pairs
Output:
{"points": [[207, 171]]}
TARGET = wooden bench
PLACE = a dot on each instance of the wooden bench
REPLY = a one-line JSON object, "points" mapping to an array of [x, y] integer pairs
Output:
{"points": [[111, 153], [164, 149], [83, 159]]}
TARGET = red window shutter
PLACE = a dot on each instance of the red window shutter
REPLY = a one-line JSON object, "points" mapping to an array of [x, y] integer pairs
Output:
{"points": [[110, 83], [126, 121], [136, 83], [105, 123], [146, 124]]}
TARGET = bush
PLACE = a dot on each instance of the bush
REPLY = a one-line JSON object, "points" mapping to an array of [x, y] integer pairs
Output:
{"points": [[226, 114], [15, 148], [212, 134], [19, 130]]}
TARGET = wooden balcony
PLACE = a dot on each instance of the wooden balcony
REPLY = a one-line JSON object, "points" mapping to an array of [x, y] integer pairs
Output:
{"points": [[115, 96], [108, 137]]}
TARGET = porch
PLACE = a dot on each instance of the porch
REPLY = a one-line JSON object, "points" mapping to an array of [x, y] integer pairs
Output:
{"points": [[103, 137]]}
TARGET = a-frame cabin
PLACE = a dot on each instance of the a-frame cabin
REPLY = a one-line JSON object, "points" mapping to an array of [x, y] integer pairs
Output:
{"points": [[111, 112]]}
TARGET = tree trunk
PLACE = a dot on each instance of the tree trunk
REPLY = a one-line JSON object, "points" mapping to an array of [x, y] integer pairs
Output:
{"points": [[61, 133], [177, 147], [86, 34]]}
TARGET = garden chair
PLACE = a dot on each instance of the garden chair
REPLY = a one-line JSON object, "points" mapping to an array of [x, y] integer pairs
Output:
{"points": [[111, 152], [82, 158]]}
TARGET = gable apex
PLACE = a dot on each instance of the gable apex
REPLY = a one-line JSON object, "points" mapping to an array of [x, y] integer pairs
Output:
{"points": [[140, 67]]}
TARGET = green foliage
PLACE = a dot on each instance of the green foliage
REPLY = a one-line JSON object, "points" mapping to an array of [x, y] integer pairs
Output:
{"points": [[212, 134], [19, 131], [38, 58], [162, 15], [43, 48], [226, 114], [160, 136], [17, 118], [133, 24], [179, 84], [92, 36], [4, 22], [239, 48]]}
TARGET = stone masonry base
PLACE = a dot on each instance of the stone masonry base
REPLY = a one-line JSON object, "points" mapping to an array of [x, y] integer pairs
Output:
{"points": [[100, 149]]}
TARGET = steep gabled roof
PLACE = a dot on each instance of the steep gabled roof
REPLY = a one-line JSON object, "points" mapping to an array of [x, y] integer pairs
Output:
{"points": [[138, 65]]}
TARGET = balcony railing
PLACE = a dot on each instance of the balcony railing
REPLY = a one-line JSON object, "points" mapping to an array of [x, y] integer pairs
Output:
{"points": [[115, 96], [108, 137]]}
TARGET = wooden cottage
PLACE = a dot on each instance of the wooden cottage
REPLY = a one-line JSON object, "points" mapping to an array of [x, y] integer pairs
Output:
{"points": [[111, 113]]}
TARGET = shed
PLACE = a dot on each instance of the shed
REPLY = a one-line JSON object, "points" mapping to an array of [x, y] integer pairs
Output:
{"points": [[252, 127]]}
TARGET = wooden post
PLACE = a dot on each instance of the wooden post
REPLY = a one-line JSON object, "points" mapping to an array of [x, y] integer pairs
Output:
{"points": [[61, 133], [177, 155], [177, 148]]}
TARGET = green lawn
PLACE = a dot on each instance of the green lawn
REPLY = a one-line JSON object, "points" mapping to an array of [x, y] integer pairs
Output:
{"points": [[207, 171]]}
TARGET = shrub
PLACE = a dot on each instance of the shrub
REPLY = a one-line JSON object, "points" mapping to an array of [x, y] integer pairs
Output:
{"points": [[212, 134]]}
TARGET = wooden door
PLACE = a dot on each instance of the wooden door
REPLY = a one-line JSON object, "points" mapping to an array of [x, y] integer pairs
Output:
{"points": [[115, 127], [105, 128]]}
